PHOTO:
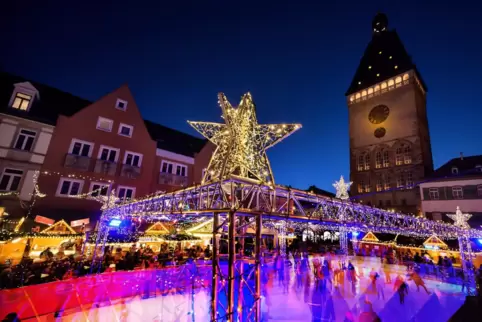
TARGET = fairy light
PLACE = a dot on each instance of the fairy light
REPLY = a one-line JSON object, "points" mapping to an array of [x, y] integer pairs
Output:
{"points": [[241, 142]]}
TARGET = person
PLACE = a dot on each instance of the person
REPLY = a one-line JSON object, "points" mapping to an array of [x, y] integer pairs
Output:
{"points": [[379, 287], [402, 291], [418, 281]]}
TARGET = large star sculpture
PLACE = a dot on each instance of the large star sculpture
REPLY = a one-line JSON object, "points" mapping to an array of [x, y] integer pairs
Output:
{"points": [[342, 188], [241, 142], [460, 219]]}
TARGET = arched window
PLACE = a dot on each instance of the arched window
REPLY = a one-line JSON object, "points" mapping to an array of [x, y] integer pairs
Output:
{"points": [[361, 162], [308, 235], [364, 93], [386, 160], [399, 156], [398, 80], [370, 91], [391, 82], [367, 161], [407, 154], [377, 88], [327, 235], [401, 179], [361, 185], [386, 182], [405, 77], [367, 185], [357, 96], [409, 179], [384, 85], [379, 183], [378, 160], [352, 98]]}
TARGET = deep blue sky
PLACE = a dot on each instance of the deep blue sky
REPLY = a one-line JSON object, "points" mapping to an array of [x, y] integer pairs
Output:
{"points": [[297, 58]]}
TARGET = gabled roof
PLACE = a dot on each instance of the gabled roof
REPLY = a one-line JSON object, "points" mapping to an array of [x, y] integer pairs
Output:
{"points": [[157, 228], [51, 104], [370, 237], [173, 140], [54, 102], [466, 166], [376, 61], [60, 227], [434, 241]]}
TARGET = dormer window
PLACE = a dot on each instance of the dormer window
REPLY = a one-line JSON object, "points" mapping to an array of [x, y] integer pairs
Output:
{"points": [[455, 170], [21, 101], [121, 105], [478, 168]]}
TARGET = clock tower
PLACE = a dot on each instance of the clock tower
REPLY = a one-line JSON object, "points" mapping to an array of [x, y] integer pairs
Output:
{"points": [[390, 148]]}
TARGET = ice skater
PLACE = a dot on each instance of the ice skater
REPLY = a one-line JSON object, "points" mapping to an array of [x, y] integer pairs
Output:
{"points": [[402, 291], [418, 281]]}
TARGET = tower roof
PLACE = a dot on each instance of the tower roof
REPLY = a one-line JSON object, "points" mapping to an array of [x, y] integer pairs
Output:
{"points": [[384, 57]]}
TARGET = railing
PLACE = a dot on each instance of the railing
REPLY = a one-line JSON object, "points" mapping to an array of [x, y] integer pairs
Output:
{"points": [[130, 171], [105, 167], [172, 179], [77, 162]]}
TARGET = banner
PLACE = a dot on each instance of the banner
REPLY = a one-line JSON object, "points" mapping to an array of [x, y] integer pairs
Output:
{"points": [[80, 222], [44, 220]]}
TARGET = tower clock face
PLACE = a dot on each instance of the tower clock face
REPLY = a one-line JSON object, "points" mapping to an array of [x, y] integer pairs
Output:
{"points": [[378, 114]]}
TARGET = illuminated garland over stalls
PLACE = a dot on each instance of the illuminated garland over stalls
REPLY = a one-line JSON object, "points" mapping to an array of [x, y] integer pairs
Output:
{"points": [[9, 235]]}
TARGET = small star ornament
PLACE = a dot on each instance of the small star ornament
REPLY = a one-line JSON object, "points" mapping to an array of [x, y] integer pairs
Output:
{"points": [[460, 219], [342, 188]]}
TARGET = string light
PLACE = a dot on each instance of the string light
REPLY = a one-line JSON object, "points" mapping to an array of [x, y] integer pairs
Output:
{"points": [[460, 219], [74, 176], [241, 142]]}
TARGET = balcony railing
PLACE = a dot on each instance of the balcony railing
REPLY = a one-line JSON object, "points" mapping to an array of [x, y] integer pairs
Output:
{"points": [[172, 179], [77, 162], [105, 167], [130, 171]]}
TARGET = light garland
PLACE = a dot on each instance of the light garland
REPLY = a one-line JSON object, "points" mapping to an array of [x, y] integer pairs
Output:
{"points": [[74, 176], [241, 142]]}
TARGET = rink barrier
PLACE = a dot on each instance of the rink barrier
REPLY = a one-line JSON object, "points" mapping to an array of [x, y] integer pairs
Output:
{"points": [[82, 293]]}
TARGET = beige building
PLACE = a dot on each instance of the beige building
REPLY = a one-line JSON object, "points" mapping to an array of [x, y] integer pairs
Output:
{"points": [[389, 138], [24, 141], [457, 183]]}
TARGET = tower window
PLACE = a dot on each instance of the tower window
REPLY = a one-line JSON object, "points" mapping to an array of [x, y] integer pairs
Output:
{"points": [[399, 156], [358, 95], [378, 160], [409, 179], [367, 161], [386, 160], [379, 184], [361, 162], [401, 180], [391, 83], [386, 182], [398, 80], [384, 85], [370, 90], [360, 186], [407, 155], [377, 88], [455, 170], [367, 186], [405, 77], [364, 93]]}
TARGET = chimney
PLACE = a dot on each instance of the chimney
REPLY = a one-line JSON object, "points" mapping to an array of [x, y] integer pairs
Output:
{"points": [[461, 155]]}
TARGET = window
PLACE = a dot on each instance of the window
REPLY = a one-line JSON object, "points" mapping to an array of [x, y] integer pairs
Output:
{"points": [[386, 160], [479, 190], [125, 130], [81, 148], [121, 104], [99, 189], [401, 180], [104, 124], [125, 193], [361, 161], [433, 194], [386, 182], [398, 79], [69, 187], [25, 140], [455, 170], [367, 161], [367, 186], [405, 77], [181, 170], [360, 186], [391, 82], [457, 192], [384, 85], [166, 167], [21, 101], [133, 159], [377, 88], [10, 179], [378, 160], [379, 184], [407, 155], [409, 179], [108, 154], [399, 157]]}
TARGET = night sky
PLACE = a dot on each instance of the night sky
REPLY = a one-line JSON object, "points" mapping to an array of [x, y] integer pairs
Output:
{"points": [[297, 58]]}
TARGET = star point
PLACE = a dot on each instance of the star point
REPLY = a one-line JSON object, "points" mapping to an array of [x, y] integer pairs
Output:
{"points": [[241, 142]]}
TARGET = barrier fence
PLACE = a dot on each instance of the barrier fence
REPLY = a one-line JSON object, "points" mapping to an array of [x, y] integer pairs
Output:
{"points": [[82, 293]]}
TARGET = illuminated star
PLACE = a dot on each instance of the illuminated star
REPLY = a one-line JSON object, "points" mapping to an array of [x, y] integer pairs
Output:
{"points": [[460, 219], [241, 142], [342, 188], [107, 201]]}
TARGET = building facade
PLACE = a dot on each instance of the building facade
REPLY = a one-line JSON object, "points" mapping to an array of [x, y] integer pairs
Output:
{"points": [[457, 183], [390, 147], [93, 149]]}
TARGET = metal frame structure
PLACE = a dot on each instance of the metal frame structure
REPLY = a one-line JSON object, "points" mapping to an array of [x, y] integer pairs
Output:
{"points": [[236, 203]]}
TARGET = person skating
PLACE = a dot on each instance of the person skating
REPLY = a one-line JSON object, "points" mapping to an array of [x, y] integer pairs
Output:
{"points": [[402, 291], [418, 281]]}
